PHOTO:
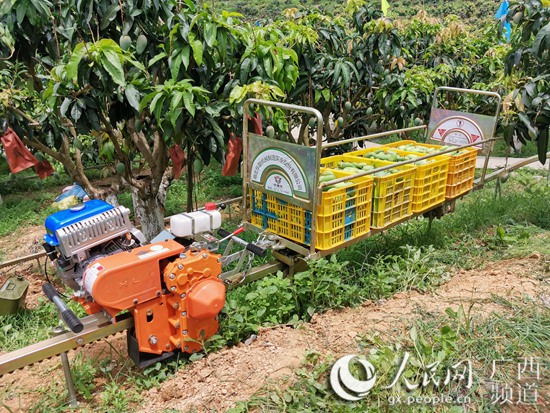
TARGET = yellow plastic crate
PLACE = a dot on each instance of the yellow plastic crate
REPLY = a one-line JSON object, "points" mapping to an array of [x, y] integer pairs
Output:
{"points": [[462, 168], [392, 194], [344, 213], [430, 181]]}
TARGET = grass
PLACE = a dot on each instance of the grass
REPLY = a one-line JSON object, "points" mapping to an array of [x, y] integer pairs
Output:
{"points": [[30, 326], [456, 336], [474, 220], [17, 212], [526, 151], [27, 181]]}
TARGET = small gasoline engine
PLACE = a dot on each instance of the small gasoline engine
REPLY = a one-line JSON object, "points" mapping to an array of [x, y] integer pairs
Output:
{"points": [[171, 288]]}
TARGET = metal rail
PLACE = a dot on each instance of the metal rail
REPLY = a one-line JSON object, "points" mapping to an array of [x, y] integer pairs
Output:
{"points": [[460, 90], [494, 175], [96, 327]]}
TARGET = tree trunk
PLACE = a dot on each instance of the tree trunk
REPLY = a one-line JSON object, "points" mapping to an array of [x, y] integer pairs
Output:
{"points": [[149, 212], [149, 204]]}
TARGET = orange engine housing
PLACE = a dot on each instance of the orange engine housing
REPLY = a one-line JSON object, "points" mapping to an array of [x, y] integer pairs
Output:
{"points": [[175, 297]]}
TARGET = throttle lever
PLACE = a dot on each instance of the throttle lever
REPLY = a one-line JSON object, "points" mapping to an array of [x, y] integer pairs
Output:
{"points": [[253, 248]]}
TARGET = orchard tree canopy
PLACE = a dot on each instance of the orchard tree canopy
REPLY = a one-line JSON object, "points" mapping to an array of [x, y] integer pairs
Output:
{"points": [[128, 83], [124, 82]]}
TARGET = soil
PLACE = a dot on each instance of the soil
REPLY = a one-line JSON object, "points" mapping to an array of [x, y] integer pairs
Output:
{"points": [[218, 381], [27, 242]]}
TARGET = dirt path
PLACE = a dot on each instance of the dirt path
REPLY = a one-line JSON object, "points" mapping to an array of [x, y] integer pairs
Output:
{"points": [[218, 381]]}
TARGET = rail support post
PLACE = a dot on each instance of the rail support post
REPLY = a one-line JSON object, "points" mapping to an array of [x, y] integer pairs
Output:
{"points": [[67, 371]]}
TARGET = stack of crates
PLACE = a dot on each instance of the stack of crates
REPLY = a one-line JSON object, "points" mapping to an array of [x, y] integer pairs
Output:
{"points": [[392, 194], [430, 181], [343, 214], [462, 167], [376, 201]]}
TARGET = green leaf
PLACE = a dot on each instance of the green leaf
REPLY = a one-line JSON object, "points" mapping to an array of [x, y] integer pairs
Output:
{"points": [[268, 66], [542, 41], [237, 94], [413, 334], [133, 62], [64, 107], [317, 96], [175, 64], [111, 63], [133, 95], [145, 101], [210, 33], [292, 54], [218, 132], [196, 45], [76, 112], [196, 356], [245, 67], [188, 102], [156, 104], [72, 67], [533, 131], [212, 145], [109, 15], [345, 75], [336, 75], [263, 50], [185, 52], [509, 133], [175, 108], [21, 11], [109, 43], [158, 57]]}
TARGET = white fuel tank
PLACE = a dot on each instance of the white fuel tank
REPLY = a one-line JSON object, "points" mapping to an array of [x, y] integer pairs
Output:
{"points": [[191, 223]]}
